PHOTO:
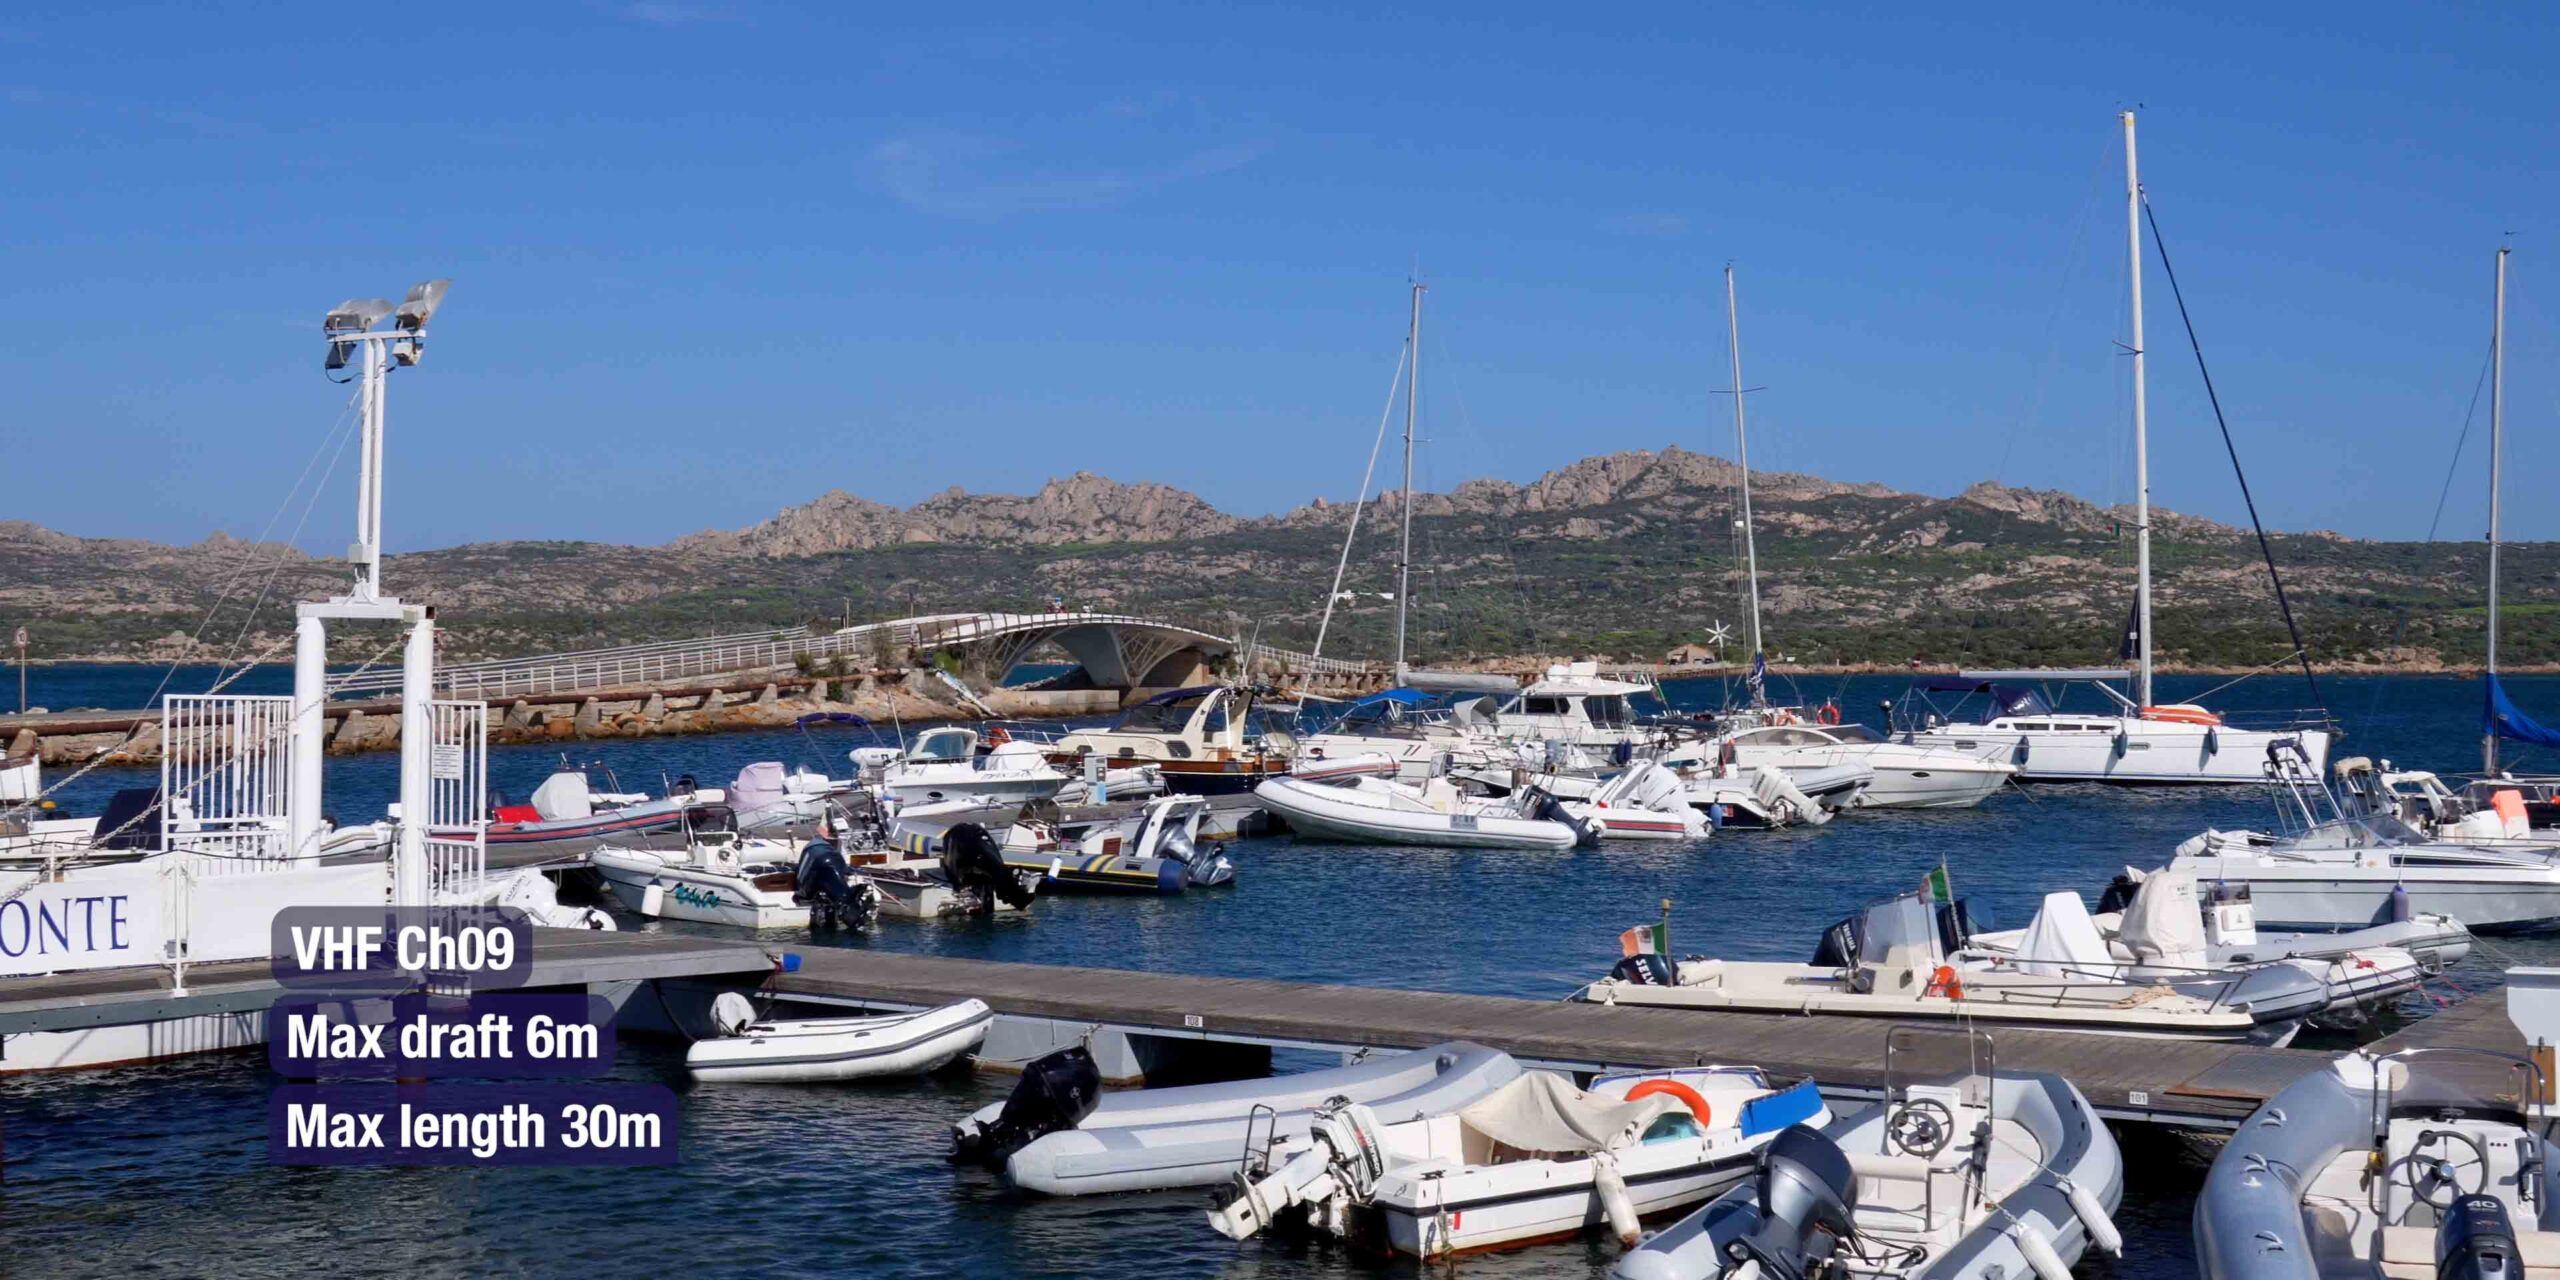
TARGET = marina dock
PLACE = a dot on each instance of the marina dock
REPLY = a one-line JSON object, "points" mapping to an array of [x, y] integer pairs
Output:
{"points": [[597, 961], [2181, 1085]]}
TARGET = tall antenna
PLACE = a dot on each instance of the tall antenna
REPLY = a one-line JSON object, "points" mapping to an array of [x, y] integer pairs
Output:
{"points": [[1742, 455], [2497, 458], [1412, 405], [2141, 433]]}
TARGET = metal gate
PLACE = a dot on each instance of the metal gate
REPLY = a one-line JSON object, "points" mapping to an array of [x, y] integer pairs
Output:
{"points": [[457, 798], [224, 771]]}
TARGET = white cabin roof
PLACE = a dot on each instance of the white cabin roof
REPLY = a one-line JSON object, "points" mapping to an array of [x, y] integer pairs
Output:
{"points": [[1580, 679]]}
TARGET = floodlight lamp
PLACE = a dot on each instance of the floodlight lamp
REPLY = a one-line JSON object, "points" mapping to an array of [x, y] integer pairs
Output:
{"points": [[421, 303], [355, 315]]}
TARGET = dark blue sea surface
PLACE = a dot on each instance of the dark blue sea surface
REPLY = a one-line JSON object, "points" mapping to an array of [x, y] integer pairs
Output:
{"points": [[161, 1169]]}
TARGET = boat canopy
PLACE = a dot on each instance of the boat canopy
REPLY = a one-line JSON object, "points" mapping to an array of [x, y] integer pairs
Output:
{"points": [[2506, 720], [2011, 699], [1542, 1112], [2165, 924], [1401, 697], [2063, 942], [830, 717], [1460, 681]]}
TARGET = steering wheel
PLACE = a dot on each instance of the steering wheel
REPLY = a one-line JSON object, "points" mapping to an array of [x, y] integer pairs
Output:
{"points": [[1921, 1127], [2438, 1181]]}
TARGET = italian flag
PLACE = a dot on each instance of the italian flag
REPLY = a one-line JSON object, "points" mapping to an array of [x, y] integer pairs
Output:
{"points": [[1655, 938]]}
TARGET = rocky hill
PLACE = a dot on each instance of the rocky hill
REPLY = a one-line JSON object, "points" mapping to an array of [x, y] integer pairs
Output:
{"points": [[1622, 555]]}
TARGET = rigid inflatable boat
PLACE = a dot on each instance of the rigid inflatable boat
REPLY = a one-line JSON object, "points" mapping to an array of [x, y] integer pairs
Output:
{"points": [[809, 1050], [1057, 1134]]}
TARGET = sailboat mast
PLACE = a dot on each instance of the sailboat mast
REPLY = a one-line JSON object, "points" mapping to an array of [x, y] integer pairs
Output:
{"points": [[2497, 461], [1742, 456], [1412, 404], [2141, 432]]}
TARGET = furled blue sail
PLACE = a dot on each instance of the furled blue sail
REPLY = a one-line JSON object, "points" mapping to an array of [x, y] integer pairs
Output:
{"points": [[2508, 721]]}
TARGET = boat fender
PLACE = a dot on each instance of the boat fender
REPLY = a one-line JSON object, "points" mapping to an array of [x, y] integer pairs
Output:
{"points": [[1611, 1186], [2400, 912], [2122, 739], [732, 1013], [1690, 1098], [2102, 1229], [653, 901], [2039, 1253], [2212, 741]]}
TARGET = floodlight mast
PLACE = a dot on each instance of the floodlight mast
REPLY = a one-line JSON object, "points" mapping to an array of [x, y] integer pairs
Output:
{"points": [[350, 332]]}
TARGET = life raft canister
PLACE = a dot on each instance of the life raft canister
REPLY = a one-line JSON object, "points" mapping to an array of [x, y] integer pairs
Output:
{"points": [[2181, 713], [1688, 1097]]}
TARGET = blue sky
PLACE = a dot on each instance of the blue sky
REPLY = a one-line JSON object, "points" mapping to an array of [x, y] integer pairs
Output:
{"points": [[713, 258]]}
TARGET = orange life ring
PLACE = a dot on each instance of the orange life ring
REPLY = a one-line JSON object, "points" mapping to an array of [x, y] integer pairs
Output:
{"points": [[1829, 714], [1688, 1097], [1945, 983]]}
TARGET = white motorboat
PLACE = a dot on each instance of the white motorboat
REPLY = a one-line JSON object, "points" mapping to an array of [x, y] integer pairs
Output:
{"points": [[1646, 802], [2336, 869], [1059, 1135], [1904, 775], [2164, 932], [567, 816], [944, 764], [1200, 739], [1574, 703], [1405, 729], [1962, 1173], [756, 1049], [1903, 968], [723, 877], [1534, 1160], [1372, 810]]}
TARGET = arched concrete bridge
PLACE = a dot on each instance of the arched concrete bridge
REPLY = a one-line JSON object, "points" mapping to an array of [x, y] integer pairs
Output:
{"points": [[1117, 651]]}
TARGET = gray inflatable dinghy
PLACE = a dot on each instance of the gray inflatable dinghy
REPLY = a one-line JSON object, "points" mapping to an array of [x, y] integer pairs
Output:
{"points": [[1057, 1135]]}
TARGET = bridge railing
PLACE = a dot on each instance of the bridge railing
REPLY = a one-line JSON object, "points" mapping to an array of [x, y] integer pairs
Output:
{"points": [[1264, 657], [661, 661]]}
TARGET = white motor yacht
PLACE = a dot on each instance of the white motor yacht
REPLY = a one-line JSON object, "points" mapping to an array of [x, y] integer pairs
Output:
{"points": [[2004, 716], [944, 764], [1200, 739], [1907, 774]]}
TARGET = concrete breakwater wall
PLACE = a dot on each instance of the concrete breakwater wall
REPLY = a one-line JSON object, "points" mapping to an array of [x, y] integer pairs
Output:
{"points": [[720, 705]]}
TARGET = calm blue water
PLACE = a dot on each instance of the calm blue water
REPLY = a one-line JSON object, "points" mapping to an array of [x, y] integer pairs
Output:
{"points": [[162, 1169]]}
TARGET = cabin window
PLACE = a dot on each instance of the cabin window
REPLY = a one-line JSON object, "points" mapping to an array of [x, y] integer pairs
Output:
{"points": [[1546, 706], [1610, 711], [1178, 749]]}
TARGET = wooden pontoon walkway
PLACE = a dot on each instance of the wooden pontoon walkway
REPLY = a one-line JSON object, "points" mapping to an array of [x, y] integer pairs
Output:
{"points": [[2211, 1086], [561, 958]]}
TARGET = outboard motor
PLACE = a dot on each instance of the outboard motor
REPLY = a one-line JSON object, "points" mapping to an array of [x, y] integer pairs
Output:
{"points": [[1839, 946], [972, 859], [1808, 1196], [2477, 1242], [825, 884], [2118, 894], [1649, 969], [1585, 833], [1056, 1092]]}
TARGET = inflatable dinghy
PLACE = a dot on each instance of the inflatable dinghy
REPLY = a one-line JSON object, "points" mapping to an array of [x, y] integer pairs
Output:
{"points": [[806, 1050], [1058, 1135]]}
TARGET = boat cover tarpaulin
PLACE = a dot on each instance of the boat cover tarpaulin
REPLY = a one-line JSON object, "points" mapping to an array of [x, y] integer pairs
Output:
{"points": [[562, 796], [2165, 924], [1543, 1112], [2506, 720], [758, 787], [2063, 941]]}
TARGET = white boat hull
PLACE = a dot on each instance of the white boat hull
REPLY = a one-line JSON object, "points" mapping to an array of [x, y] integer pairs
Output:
{"points": [[2316, 898], [1346, 813], [651, 888], [817, 1050], [2154, 752]]}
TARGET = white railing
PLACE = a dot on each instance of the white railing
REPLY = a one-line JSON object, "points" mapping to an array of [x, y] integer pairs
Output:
{"points": [[1260, 656], [457, 796], [223, 777], [774, 650]]}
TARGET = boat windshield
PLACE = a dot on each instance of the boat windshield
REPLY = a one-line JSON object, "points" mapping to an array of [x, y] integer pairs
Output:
{"points": [[1170, 715], [2457, 1084], [943, 746]]}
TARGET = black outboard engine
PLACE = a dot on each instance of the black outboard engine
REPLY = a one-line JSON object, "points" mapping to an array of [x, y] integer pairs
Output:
{"points": [[825, 884], [1808, 1197], [1585, 834], [2477, 1242], [1649, 969], [972, 859], [2119, 894], [1056, 1092], [1840, 945]]}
